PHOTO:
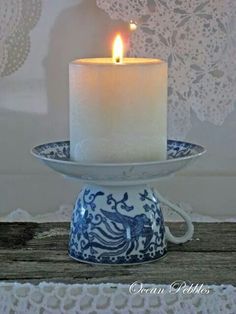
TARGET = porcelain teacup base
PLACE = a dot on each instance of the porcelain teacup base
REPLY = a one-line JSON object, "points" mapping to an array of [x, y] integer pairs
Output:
{"points": [[120, 225], [117, 219]]}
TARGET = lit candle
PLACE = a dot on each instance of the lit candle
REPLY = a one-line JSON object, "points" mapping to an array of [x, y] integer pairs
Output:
{"points": [[118, 108], [117, 52]]}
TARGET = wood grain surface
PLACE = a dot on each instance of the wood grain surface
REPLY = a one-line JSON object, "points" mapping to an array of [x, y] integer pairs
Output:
{"points": [[32, 252]]}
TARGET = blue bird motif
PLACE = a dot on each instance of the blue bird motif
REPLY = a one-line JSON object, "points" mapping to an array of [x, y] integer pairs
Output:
{"points": [[113, 234], [133, 227]]}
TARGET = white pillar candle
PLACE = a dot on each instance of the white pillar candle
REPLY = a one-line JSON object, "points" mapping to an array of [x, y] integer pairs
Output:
{"points": [[118, 111]]}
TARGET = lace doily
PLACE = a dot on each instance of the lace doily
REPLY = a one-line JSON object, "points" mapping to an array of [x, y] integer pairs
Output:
{"points": [[17, 18], [198, 39], [53, 298], [64, 213]]}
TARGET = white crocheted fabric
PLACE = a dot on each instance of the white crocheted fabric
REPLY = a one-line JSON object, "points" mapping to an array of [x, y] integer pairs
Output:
{"points": [[64, 213], [51, 298], [198, 39], [17, 18]]}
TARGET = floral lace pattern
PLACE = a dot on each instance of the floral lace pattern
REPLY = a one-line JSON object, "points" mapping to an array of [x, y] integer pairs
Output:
{"points": [[110, 298], [198, 39], [64, 213], [17, 18]]}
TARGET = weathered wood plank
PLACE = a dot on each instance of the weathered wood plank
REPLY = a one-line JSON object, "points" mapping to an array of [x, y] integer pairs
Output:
{"points": [[29, 255], [38, 252], [207, 268], [208, 237], [34, 235]]}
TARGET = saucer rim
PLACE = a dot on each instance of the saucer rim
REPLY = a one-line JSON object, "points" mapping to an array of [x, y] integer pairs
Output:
{"points": [[200, 150]]}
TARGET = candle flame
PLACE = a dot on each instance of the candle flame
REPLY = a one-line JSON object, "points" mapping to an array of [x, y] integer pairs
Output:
{"points": [[118, 50]]}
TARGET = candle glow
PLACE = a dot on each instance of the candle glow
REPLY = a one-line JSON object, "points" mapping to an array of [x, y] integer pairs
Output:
{"points": [[117, 114], [118, 50]]}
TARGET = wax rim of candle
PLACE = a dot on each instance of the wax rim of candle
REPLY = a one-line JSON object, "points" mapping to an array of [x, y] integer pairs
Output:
{"points": [[126, 61]]}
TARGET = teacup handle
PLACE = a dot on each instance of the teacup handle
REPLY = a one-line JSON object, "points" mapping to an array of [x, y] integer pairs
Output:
{"points": [[190, 228]]}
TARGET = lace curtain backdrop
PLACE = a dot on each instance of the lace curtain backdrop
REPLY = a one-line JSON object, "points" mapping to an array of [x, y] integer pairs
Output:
{"points": [[198, 39], [17, 19]]}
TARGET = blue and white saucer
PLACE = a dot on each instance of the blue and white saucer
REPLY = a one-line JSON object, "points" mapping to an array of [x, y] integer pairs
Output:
{"points": [[57, 156]]}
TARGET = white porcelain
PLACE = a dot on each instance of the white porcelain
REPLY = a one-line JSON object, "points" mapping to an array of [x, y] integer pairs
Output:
{"points": [[117, 217], [56, 156]]}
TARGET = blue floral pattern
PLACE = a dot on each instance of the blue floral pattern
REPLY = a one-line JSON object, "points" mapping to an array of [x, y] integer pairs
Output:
{"points": [[114, 235], [61, 150]]}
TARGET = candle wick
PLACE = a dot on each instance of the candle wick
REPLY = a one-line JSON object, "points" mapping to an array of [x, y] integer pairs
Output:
{"points": [[117, 59]]}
